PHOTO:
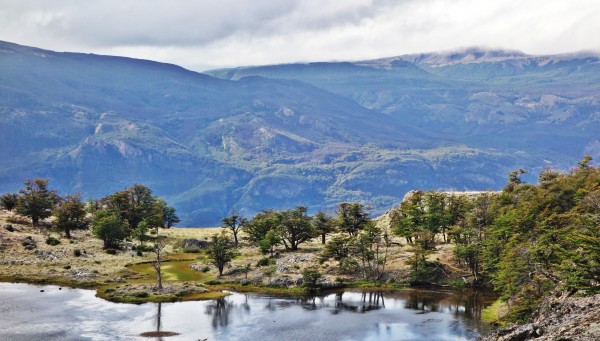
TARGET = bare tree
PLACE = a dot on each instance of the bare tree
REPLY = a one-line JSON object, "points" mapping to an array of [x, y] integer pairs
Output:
{"points": [[158, 247]]}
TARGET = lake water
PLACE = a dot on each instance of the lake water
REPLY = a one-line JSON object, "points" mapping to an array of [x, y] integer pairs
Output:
{"points": [[76, 314]]}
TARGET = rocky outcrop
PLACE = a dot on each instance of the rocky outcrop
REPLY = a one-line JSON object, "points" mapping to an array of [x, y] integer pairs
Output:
{"points": [[194, 245], [558, 318]]}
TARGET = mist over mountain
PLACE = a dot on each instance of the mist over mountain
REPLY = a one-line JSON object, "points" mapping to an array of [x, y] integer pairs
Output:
{"points": [[286, 135]]}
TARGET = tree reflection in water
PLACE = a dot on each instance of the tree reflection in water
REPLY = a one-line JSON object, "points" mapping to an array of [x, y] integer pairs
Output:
{"points": [[220, 311]]}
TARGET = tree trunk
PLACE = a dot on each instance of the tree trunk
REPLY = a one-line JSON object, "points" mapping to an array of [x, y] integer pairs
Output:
{"points": [[323, 238]]}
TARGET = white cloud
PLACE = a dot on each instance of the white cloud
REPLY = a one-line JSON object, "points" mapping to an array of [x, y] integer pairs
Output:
{"points": [[203, 34]]}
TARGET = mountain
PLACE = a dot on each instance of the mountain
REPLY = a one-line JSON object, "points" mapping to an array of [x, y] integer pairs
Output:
{"points": [[274, 137], [507, 100]]}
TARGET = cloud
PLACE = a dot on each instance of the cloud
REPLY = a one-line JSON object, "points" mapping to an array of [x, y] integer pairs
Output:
{"points": [[203, 34]]}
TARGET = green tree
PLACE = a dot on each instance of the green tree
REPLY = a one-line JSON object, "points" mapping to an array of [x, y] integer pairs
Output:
{"points": [[352, 217], [140, 232], [170, 216], [257, 228], [337, 248], [371, 248], [70, 214], [235, 223], [310, 278], [221, 251], [408, 219], [268, 243], [323, 225], [108, 227], [9, 201], [295, 228], [36, 200], [133, 204]]}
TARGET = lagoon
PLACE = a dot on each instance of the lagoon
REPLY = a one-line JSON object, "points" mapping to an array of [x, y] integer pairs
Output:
{"points": [[27, 313]]}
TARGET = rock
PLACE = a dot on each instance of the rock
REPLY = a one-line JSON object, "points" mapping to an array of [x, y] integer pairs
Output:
{"points": [[559, 317], [191, 245]]}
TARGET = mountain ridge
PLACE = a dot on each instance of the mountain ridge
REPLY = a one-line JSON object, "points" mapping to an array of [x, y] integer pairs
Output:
{"points": [[96, 124]]}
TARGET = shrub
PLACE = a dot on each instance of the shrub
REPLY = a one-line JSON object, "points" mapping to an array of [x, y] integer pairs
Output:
{"points": [[29, 243], [266, 261], [212, 282], [76, 252], [67, 267], [310, 278], [52, 241], [205, 269], [9, 228], [111, 251], [139, 253], [142, 294]]}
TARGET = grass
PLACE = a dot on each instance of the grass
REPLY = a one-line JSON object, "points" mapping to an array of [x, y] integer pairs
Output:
{"points": [[172, 270], [494, 312]]}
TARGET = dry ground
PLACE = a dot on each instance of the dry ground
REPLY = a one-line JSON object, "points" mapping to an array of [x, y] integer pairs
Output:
{"points": [[95, 268]]}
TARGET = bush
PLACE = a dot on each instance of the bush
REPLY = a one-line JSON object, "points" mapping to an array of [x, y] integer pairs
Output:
{"points": [[142, 294], [311, 278], [29, 243], [205, 269], [139, 253], [266, 261], [213, 282], [52, 241], [111, 251], [67, 267], [76, 252], [9, 228]]}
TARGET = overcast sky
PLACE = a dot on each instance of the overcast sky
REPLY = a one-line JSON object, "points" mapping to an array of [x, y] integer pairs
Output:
{"points": [[209, 34]]}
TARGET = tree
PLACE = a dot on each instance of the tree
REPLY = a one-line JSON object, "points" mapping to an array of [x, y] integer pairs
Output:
{"points": [[310, 278], [409, 218], [109, 227], [70, 214], [323, 224], [268, 243], [36, 200], [337, 248], [234, 223], [221, 251], [257, 228], [371, 248], [295, 228], [159, 245], [9, 201], [133, 204], [170, 217], [140, 232], [352, 217]]}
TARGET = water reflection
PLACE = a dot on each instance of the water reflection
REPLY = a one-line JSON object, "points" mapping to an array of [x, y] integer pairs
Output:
{"points": [[220, 310], [399, 315]]}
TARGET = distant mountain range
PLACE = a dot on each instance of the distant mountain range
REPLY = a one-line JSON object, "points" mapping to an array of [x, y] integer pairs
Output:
{"points": [[299, 134]]}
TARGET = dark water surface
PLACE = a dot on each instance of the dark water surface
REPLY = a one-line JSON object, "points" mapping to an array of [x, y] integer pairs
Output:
{"points": [[76, 314]]}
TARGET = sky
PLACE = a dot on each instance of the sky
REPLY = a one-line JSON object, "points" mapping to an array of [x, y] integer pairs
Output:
{"points": [[201, 35]]}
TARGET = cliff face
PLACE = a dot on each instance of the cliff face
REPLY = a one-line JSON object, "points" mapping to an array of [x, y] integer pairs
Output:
{"points": [[558, 318]]}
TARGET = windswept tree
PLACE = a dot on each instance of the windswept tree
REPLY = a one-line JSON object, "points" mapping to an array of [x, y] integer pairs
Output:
{"points": [[234, 223], [352, 216], [221, 251], [70, 214], [9, 201], [36, 200]]}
